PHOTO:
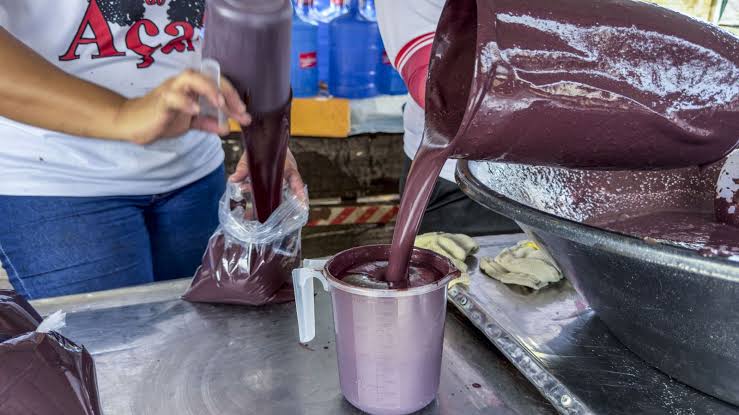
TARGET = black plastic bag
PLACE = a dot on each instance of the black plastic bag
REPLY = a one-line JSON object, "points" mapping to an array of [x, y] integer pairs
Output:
{"points": [[41, 373]]}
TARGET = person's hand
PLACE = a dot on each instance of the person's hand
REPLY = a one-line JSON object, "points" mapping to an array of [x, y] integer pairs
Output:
{"points": [[172, 108], [291, 175]]}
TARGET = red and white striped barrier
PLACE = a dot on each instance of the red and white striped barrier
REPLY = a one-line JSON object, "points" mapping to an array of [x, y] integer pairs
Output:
{"points": [[352, 214]]}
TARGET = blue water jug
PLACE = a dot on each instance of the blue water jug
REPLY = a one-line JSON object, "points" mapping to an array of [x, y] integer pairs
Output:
{"points": [[355, 49], [389, 81], [325, 12], [304, 50]]}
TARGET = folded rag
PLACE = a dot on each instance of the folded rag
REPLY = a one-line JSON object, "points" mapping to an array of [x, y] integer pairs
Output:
{"points": [[524, 264], [454, 246]]}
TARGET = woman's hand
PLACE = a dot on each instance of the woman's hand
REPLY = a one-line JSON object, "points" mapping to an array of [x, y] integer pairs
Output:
{"points": [[35, 92], [292, 176], [172, 108]]}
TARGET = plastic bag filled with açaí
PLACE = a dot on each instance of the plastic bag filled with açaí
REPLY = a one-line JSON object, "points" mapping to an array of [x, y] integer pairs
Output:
{"points": [[248, 262], [41, 371]]}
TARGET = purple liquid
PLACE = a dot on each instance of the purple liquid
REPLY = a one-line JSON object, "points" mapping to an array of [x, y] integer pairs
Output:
{"points": [[692, 229], [553, 83], [224, 278], [265, 141], [420, 183], [372, 275]]}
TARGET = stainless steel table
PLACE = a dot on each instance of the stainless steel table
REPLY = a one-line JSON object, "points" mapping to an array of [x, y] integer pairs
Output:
{"points": [[156, 354], [557, 341]]}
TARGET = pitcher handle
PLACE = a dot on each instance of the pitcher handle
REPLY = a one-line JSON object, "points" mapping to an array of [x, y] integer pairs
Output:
{"points": [[304, 302]]}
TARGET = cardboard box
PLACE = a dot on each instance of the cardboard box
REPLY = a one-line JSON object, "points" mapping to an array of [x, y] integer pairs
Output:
{"points": [[316, 117]]}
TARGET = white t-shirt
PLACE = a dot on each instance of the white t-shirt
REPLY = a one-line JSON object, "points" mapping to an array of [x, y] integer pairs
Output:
{"points": [[407, 28], [129, 47]]}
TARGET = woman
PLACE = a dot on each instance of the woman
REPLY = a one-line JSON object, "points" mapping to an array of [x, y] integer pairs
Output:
{"points": [[109, 176]]}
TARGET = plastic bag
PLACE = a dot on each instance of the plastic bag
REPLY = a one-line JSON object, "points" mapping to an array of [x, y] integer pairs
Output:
{"points": [[248, 262], [16, 315], [42, 373]]}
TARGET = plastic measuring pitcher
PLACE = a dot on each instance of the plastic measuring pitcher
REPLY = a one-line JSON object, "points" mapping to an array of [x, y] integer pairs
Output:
{"points": [[388, 342]]}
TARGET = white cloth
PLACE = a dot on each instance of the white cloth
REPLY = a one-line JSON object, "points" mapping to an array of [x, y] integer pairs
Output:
{"points": [[454, 246], [40, 162], [524, 264], [727, 185], [406, 27]]}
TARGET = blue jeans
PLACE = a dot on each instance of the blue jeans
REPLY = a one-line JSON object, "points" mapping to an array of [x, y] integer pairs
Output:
{"points": [[53, 246]]}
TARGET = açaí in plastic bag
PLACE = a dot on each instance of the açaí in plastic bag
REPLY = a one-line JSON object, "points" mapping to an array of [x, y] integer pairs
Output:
{"points": [[248, 262], [41, 371]]}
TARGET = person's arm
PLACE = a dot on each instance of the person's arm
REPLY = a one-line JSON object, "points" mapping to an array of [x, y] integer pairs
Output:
{"points": [[407, 28], [35, 92]]}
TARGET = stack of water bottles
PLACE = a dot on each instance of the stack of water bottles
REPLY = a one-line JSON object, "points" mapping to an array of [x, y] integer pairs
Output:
{"points": [[336, 46]]}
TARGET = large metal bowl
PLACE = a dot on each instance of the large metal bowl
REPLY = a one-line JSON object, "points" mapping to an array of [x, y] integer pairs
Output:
{"points": [[674, 308]]}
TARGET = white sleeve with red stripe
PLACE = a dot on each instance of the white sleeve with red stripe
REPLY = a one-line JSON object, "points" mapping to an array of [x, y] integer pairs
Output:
{"points": [[407, 28]]}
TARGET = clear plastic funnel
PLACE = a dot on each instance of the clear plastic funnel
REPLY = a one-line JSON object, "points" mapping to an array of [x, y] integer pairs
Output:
{"points": [[388, 342]]}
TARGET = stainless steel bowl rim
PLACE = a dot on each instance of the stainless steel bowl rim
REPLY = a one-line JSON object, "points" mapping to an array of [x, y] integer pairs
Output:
{"points": [[629, 246]]}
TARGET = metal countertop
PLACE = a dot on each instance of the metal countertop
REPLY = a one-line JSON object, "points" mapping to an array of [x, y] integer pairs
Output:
{"points": [[558, 342], [157, 354]]}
